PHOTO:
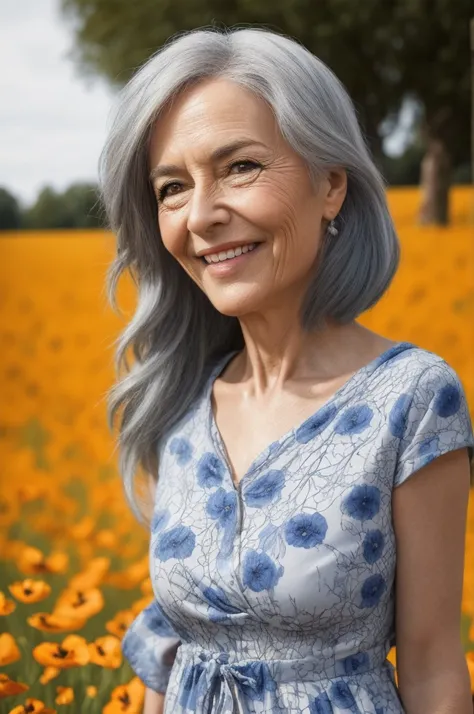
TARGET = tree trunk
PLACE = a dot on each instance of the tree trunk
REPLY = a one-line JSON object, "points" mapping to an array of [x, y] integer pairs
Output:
{"points": [[435, 181]]}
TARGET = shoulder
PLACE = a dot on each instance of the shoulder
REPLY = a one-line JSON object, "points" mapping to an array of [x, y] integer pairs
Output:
{"points": [[429, 413], [415, 375]]}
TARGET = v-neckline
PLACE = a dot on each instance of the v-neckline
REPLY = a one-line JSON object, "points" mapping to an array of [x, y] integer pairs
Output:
{"points": [[215, 433]]}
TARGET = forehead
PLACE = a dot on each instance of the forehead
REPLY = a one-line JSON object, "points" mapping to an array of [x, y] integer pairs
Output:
{"points": [[206, 115]]}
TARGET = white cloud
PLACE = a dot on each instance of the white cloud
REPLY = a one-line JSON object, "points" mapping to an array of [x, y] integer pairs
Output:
{"points": [[52, 121]]}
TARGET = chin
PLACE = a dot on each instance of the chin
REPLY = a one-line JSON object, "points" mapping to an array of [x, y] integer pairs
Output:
{"points": [[236, 305]]}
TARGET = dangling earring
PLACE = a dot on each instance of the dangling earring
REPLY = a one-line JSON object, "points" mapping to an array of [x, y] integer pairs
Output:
{"points": [[332, 228]]}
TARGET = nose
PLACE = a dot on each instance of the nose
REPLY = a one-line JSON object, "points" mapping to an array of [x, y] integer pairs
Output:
{"points": [[206, 210]]}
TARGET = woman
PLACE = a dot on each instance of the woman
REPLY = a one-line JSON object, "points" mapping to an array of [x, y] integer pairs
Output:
{"points": [[282, 434]]}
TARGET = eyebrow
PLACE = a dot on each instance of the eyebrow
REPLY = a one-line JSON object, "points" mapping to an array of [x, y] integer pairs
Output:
{"points": [[221, 153]]}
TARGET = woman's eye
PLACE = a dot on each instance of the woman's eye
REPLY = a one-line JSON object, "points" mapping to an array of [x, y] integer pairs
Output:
{"points": [[167, 190], [244, 166]]}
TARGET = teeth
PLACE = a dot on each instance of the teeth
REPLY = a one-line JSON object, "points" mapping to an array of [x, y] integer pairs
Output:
{"points": [[228, 254]]}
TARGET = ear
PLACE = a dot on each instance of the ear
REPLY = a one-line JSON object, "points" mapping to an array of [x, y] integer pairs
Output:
{"points": [[336, 190]]}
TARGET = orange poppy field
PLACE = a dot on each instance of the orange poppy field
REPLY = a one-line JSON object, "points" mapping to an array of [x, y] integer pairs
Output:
{"points": [[74, 567]]}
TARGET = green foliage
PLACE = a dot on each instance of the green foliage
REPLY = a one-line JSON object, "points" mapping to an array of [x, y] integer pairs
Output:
{"points": [[382, 51], [77, 207], [10, 211]]}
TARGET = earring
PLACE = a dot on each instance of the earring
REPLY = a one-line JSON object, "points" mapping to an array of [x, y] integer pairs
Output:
{"points": [[332, 228]]}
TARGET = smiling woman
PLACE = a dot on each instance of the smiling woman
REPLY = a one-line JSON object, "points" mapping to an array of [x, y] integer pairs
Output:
{"points": [[278, 431], [254, 194]]}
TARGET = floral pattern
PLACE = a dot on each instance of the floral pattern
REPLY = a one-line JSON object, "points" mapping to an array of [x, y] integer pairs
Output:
{"points": [[277, 594]]}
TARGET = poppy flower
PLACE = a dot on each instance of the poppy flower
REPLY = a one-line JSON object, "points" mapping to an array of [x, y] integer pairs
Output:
{"points": [[9, 651], [83, 529], [141, 604], [106, 538], [147, 586], [32, 706], [126, 698], [30, 590], [106, 652], [72, 652], [470, 666], [32, 562], [6, 606], [8, 687], [49, 674], [131, 576], [91, 691], [121, 622], [65, 695], [81, 604], [55, 622], [92, 576]]}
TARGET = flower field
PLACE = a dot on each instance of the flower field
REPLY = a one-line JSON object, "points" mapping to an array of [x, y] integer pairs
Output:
{"points": [[74, 569]]}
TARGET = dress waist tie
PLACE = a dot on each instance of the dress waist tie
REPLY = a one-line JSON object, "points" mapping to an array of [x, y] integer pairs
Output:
{"points": [[211, 683]]}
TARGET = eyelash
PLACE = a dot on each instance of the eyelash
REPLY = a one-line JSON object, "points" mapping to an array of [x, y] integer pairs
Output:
{"points": [[255, 165]]}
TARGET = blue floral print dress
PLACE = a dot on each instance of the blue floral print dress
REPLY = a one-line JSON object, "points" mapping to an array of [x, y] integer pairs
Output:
{"points": [[277, 594]]}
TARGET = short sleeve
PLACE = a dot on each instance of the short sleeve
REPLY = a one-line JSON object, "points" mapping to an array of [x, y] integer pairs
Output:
{"points": [[435, 419], [150, 645]]}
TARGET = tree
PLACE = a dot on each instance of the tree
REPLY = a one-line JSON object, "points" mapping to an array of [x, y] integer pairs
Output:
{"points": [[382, 51], [82, 205], [77, 207], [10, 211]]}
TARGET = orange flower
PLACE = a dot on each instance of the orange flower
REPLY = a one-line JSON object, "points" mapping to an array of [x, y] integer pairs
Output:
{"points": [[91, 691], [470, 666], [11, 549], [30, 590], [121, 622], [49, 674], [106, 652], [132, 576], [6, 606], [126, 698], [30, 492], [32, 706], [139, 605], [9, 687], [92, 576], [106, 538], [80, 604], [9, 651], [65, 695], [55, 622], [146, 587], [83, 529], [72, 652], [32, 562]]}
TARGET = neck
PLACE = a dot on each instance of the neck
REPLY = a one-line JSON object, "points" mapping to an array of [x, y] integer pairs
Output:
{"points": [[277, 349]]}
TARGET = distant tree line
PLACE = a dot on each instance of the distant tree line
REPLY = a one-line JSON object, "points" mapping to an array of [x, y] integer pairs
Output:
{"points": [[79, 206]]}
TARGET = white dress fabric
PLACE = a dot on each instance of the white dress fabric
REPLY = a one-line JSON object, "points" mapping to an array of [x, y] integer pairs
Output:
{"points": [[277, 595]]}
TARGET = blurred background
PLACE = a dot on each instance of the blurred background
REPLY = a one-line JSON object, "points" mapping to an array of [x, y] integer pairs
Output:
{"points": [[74, 569]]}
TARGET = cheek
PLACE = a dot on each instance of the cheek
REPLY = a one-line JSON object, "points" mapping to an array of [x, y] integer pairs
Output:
{"points": [[173, 234]]}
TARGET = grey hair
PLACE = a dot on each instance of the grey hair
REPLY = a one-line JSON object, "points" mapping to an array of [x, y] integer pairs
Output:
{"points": [[176, 335]]}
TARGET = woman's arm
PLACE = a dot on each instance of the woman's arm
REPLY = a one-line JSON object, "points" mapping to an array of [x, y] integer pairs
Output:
{"points": [[154, 702], [429, 515]]}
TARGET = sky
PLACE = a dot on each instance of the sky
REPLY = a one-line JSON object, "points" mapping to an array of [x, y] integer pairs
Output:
{"points": [[53, 121]]}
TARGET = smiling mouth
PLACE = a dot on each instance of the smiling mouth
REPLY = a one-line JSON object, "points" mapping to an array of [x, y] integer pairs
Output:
{"points": [[227, 255]]}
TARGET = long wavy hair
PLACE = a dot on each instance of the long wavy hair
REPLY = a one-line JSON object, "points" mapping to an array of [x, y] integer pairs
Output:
{"points": [[176, 334]]}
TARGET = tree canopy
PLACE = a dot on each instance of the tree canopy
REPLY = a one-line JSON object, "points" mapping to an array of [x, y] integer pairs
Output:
{"points": [[10, 211], [381, 50], [77, 207]]}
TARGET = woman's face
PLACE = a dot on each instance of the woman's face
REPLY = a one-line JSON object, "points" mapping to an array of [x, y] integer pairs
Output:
{"points": [[236, 206]]}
